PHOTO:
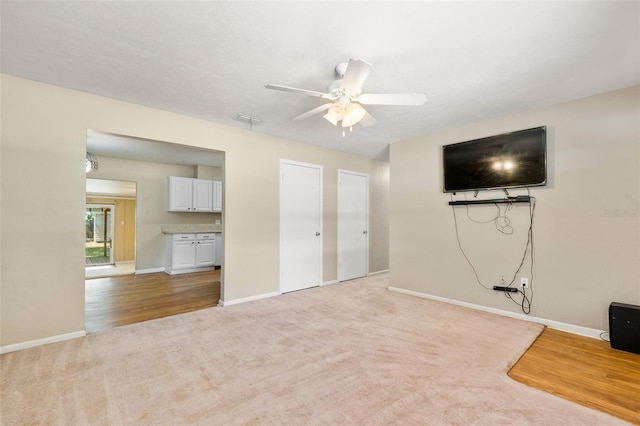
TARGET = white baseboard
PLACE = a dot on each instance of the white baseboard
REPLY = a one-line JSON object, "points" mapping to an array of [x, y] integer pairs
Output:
{"points": [[40, 342], [188, 271], [248, 299], [384, 271], [149, 271], [329, 282], [569, 328]]}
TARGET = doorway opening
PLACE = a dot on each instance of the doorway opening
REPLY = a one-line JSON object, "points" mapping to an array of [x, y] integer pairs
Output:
{"points": [[110, 227], [148, 292], [98, 245]]}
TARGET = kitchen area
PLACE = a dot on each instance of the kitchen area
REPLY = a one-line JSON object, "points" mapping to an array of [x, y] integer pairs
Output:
{"points": [[178, 252], [193, 247]]}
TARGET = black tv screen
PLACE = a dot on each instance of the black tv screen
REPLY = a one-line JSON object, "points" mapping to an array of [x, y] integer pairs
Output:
{"points": [[509, 160]]}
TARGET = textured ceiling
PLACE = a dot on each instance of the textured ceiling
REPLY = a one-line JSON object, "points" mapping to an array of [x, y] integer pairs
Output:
{"points": [[211, 60]]}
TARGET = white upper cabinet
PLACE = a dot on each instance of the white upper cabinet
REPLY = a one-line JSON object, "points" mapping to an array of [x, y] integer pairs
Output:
{"points": [[180, 194], [217, 196], [189, 195], [202, 195]]}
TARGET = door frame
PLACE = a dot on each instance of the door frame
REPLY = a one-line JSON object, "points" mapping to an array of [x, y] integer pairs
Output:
{"points": [[284, 162], [339, 211]]}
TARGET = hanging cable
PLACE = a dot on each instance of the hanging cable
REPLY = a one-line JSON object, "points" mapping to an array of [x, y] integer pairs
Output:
{"points": [[503, 225]]}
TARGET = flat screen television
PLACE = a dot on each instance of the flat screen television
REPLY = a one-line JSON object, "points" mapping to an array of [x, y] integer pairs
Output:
{"points": [[510, 160]]}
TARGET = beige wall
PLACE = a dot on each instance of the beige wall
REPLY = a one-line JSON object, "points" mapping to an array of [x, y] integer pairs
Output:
{"points": [[587, 226], [124, 227], [47, 125], [379, 217], [208, 172]]}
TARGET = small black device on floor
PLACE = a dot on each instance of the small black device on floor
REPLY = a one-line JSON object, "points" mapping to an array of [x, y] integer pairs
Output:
{"points": [[624, 327]]}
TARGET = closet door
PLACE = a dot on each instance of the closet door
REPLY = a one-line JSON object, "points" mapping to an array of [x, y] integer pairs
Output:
{"points": [[300, 225], [353, 225]]}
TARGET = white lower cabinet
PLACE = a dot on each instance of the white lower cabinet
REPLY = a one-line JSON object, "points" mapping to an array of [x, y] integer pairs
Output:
{"points": [[183, 251], [205, 249], [190, 253]]}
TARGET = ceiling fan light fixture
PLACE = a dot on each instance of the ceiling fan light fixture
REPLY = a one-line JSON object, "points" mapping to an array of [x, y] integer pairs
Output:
{"points": [[90, 163], [335, 114], [331, 118], [346, 98], [353, 114]]}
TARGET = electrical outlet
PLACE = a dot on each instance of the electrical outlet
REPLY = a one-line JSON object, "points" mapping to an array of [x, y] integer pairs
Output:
{"points": [[524, 282]]}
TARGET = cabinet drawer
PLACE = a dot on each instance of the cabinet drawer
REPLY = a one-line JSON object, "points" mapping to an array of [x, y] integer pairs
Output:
{"points": [[201, 237], [184, 237]]}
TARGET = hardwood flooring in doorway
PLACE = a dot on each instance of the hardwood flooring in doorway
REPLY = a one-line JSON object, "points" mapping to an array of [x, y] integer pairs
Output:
{"points": [[116, 301]]}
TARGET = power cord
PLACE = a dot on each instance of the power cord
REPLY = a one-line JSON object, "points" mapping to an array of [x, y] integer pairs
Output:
{"points": [[500, 220], [503, 225]]}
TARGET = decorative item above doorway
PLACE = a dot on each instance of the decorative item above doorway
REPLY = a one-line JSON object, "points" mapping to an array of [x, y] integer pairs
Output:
{"points": [[90, 163]]}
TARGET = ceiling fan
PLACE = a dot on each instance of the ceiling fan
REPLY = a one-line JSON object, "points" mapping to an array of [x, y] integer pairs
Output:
{"points": [[346, 97]]}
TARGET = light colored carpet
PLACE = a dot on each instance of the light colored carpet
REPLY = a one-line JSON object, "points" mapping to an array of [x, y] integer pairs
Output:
{"points": [[350, 353]]}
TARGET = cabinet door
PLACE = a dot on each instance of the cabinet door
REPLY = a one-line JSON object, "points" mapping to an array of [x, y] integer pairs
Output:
{"points": [[202, 195], [180, 194], [184, 254], [217, 259], [205, 252], [217, 196]]}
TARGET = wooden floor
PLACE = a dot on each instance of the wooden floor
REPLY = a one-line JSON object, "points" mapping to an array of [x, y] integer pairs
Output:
{"points": [[583, 370], [115, 301]]}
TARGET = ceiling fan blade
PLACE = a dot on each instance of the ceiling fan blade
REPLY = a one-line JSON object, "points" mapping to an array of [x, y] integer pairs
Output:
{"points": [[299, 91], [314, 111], [355, 75], [367, 120], [392, 99]]}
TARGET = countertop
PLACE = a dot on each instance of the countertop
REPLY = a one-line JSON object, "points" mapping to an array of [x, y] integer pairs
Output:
{"points": [[191, 229]]}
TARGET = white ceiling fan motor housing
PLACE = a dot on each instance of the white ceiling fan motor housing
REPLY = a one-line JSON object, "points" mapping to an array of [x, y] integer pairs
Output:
{"points": [[341, 68]]}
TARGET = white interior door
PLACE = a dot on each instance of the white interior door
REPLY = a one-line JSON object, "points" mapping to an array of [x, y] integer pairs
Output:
{"points": [[353, 225], [300, 225]]}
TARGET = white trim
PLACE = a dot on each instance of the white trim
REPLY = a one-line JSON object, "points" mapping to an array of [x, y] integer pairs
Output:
{"points": [[569, 328], [188, 270], [249, 299], [384, 271], [330, 282], [149, 271], [40, 342]]}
